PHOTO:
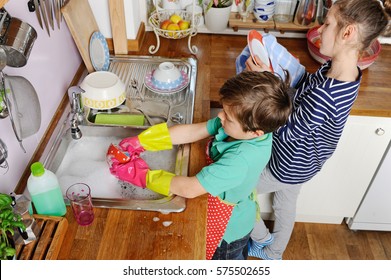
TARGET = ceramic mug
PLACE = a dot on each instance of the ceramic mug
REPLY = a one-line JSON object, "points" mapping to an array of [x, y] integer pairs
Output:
{"points": [[169, 4], [185, 3], [197, 11]]}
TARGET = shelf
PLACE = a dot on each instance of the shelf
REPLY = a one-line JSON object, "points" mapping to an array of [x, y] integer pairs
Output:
{"points": [[236, 23]]}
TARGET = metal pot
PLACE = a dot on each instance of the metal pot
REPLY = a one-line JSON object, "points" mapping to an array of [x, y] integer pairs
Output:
{"points": [[18, 40]]}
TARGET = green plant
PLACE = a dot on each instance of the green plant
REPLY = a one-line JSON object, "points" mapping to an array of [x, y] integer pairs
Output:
{"points": [[9, 220], [219, 4]]}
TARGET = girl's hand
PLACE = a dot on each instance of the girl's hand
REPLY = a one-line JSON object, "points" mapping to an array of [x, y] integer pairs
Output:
{"points": [[258, 65]]}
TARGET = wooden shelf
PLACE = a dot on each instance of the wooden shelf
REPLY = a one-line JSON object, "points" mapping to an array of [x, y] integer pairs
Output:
{"points": [[236, 22], [2, 3], [48, 243]]}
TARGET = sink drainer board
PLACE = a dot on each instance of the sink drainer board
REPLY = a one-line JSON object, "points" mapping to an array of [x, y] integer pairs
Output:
{"points": [[129, 68], [173, 108]]}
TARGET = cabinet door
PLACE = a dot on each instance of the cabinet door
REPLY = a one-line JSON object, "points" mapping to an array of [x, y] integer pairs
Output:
{"points": [[374, 212], [336, 191]]}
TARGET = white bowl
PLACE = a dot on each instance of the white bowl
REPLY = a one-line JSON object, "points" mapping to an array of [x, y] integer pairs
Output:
{"points": [[166, 76], [103, 90], [265, 9], [264, 3], [263, 16]]}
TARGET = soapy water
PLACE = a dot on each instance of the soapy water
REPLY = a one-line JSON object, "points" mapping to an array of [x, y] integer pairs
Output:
{"points": [[85, 162]]}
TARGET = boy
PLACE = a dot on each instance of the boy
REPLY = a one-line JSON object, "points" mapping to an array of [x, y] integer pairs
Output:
{"points": [[254, 105]]}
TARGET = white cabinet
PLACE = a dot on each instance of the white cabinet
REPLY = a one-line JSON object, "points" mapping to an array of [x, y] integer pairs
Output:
{"points": [[374, 212], [336, 191]]}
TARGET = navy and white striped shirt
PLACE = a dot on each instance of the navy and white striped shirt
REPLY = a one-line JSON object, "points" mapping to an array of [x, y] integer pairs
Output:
{"points": [[321, 106]]}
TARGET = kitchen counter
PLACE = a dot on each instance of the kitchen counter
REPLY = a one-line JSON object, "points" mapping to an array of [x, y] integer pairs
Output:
{"points": [[374, 97], [126, 234]]}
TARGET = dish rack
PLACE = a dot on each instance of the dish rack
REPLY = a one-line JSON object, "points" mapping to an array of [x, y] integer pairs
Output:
{"points": [[159, 15]]}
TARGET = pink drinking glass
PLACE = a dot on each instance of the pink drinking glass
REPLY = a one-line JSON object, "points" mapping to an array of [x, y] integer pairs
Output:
{"points": [[79, 196]]}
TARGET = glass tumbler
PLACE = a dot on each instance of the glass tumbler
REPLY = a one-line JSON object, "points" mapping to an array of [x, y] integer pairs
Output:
{"points": [[79, 196], [283, 11]]}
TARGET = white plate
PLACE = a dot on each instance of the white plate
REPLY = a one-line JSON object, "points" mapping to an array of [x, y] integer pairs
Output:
{"points": [[99, 52], [254, 40], [148, 83]]}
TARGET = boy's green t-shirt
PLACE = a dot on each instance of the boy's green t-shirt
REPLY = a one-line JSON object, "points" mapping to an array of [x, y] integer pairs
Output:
{"points": [[234, 175]]}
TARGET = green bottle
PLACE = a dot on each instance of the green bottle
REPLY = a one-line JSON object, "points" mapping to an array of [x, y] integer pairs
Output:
{"points": [[45, 191]]}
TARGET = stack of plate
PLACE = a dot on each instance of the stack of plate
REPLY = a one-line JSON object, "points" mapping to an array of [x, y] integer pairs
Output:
{"points": [[264, 9]]}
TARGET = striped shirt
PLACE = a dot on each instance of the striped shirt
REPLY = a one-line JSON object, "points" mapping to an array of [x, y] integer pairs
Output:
{"points": [[321, 106]]}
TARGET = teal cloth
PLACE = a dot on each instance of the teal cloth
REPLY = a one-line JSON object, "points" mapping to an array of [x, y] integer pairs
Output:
{"points": [[234, 175]]}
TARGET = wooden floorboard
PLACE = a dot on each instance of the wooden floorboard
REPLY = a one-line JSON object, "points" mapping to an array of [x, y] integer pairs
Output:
{"points": [[313, 241]]}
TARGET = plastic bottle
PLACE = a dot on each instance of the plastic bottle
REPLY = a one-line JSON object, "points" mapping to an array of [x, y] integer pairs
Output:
{"points": [[45, 191]]}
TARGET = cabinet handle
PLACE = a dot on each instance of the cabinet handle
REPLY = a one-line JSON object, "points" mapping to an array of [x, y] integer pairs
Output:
{"points": [[379, 131]]}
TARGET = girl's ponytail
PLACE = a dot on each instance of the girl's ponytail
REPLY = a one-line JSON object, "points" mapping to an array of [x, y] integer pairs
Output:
{"points": [[387, 9]]}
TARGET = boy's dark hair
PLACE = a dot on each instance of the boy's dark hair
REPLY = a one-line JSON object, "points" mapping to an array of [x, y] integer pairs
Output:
{"points": [[259, 100]]}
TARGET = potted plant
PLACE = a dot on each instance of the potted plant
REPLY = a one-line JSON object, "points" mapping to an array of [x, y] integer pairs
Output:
{"points": [[9, 221], [217, 14]]}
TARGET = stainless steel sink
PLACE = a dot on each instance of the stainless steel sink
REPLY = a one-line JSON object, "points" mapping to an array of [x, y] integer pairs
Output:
{"points": [[84, 160]]}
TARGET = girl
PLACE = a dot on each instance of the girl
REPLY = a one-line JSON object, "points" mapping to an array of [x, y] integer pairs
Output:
{"points": [[321, 106]]}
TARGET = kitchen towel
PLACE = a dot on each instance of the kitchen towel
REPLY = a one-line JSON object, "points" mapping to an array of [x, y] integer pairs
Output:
{"points": [[280, 58]]}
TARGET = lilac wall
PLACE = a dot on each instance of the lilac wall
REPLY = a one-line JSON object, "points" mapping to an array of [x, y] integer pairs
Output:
{"points": [[51, 67]]}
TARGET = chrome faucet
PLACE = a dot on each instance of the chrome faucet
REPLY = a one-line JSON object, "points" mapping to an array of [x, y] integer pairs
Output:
{"points": [[74, 94]]}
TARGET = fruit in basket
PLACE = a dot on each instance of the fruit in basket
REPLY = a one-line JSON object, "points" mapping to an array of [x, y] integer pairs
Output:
{"points": [[165, 24], [175, 18], [184, 24], [173, 27]]}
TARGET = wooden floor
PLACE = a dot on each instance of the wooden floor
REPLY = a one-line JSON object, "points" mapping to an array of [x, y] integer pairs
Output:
{"points": [[311, 241]]}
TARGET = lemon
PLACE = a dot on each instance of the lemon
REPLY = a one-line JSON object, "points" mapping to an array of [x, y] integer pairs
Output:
{"points": [[175, 18]]}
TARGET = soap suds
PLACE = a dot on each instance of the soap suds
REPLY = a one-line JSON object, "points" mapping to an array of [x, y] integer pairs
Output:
{"points": [[167, 223]]}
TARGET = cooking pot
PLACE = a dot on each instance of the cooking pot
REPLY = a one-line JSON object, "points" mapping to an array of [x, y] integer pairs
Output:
{"points": [[103, 90], [18, 38]]}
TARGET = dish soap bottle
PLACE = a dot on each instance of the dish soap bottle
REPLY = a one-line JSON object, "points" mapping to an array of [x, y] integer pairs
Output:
{"points": [[45, 191]]}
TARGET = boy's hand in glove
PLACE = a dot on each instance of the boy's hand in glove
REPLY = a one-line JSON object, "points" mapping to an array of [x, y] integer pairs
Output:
{"points": [[137, 172], [155, 138]]}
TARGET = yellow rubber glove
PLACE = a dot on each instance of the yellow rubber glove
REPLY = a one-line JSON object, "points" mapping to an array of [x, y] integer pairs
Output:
{"points": [[156, 138], [159, 181]]}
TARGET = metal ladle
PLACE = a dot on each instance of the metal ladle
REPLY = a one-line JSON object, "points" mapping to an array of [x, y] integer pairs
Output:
{"points": [[3, 62]]}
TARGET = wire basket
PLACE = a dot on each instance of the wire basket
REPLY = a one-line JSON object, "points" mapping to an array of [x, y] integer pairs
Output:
{"points": [[157, 17]]}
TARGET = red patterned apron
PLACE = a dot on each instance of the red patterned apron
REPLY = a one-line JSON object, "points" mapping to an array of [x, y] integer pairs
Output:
{"points": [[218, 214]]}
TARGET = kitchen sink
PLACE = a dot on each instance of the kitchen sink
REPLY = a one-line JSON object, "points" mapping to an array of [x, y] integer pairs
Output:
{"points": [[84, 160]]}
